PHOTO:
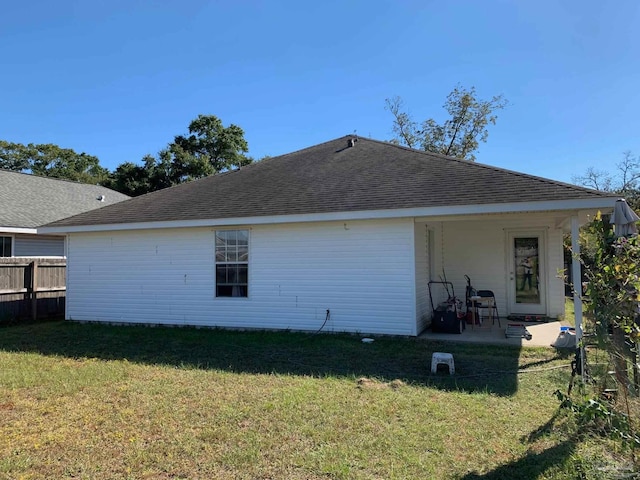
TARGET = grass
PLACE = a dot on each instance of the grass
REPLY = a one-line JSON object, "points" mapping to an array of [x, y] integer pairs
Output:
{"points": [[569, 312], [97, 401]]}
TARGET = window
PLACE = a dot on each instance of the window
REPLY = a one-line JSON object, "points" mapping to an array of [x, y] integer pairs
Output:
{"points": [[5, 246], [232, 263]]}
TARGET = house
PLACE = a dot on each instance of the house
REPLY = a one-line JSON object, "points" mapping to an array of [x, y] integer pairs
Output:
{"points": [[28, 201], [343, 236]]}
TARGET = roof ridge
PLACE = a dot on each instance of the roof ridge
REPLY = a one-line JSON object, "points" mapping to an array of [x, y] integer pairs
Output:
{"points": [[300, 150], [67, 180], [405, 148]]}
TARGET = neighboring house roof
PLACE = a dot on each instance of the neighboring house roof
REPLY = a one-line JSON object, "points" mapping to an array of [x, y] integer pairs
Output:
{"points": [[334, 177], [28, 201]]}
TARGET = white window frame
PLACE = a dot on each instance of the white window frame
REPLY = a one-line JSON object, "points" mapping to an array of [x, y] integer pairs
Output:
{"points": [[13, 244], [234, 260]]}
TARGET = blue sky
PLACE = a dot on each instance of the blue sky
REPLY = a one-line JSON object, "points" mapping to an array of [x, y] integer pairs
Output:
{"points": [[119, 79]]}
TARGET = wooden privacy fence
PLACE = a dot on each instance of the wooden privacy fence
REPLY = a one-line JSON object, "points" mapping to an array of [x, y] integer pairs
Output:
{"points": [[32, 288]]}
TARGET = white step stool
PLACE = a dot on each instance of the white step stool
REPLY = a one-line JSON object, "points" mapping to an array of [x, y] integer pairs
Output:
{"points": [[440, 358]]}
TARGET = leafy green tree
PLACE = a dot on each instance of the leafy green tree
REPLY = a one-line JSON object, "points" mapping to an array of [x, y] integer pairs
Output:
{"points": [[14, 156], [210, 143], [154, 174], [52, 161], [613, 279], [209, 148], [132, 179], [458, 136]]}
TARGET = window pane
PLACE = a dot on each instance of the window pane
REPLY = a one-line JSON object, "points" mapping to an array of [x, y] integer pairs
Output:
{"points": [[221, 239], [232, 274], [242, 274], [224, 291], [526, 266], [5, 246], [221, 274], [243, 237], [243, 253], [232, 237]]}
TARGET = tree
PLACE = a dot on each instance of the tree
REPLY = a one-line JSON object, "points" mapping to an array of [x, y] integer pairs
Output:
{"points": [[52, 161], [132, 179], [459, 136], [155, 173], [610, 267], [611, 301], [625, 180], [405, 129], [210, 143], [209, 148]]}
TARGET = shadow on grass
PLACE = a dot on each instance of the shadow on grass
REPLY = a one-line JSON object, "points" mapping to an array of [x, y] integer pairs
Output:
{"points": [[532, 465], [478, 367], [555, 460], [560, 354]]}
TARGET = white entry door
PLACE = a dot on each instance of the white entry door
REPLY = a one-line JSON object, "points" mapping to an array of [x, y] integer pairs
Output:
{"points": [[526, 273]]}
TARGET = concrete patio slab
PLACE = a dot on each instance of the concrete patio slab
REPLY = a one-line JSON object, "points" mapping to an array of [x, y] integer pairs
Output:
{"points": [[542, 334]]}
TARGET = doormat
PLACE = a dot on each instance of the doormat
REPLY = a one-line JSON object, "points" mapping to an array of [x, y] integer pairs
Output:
{"points": [[517, 330], [531, 318]]}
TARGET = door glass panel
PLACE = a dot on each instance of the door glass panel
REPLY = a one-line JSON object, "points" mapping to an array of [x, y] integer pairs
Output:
{"points": [[527, 269]]}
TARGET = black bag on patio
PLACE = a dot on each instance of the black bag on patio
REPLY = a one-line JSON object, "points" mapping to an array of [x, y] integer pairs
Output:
{"points": [[446, 315]]}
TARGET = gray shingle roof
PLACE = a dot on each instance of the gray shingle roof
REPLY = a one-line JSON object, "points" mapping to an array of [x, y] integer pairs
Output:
{"points": [[332, 177], [28, 201]]}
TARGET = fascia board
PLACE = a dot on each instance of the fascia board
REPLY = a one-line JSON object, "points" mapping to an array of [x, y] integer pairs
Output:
{"points": [[31, 231]]}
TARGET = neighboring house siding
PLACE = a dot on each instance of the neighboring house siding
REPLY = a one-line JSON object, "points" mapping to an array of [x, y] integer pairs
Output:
{"points": [[423, 308], [361, 271], [38, 246]]}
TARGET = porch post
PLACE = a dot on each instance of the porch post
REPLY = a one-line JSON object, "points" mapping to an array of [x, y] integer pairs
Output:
{"points": [[576, 275]]}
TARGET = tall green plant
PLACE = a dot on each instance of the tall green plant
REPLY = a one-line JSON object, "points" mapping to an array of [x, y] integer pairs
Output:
{"points": [[612, 306], [613, 288]]}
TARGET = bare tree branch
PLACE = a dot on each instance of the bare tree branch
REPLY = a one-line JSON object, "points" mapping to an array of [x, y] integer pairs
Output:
{"points": [[596, 179], [403, 126], [629, 169]]}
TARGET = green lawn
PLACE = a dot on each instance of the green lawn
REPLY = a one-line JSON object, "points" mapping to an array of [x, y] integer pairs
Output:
{"points": [[103, 402], [569, 312]]}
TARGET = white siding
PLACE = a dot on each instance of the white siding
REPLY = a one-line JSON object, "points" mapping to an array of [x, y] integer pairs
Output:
{"points": [[362, 271], [423, 307], [555, 252], [38, 246], [476, 249]]}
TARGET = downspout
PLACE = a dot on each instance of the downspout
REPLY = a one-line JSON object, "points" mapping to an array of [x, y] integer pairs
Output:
{"points": [[576, 275]]}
